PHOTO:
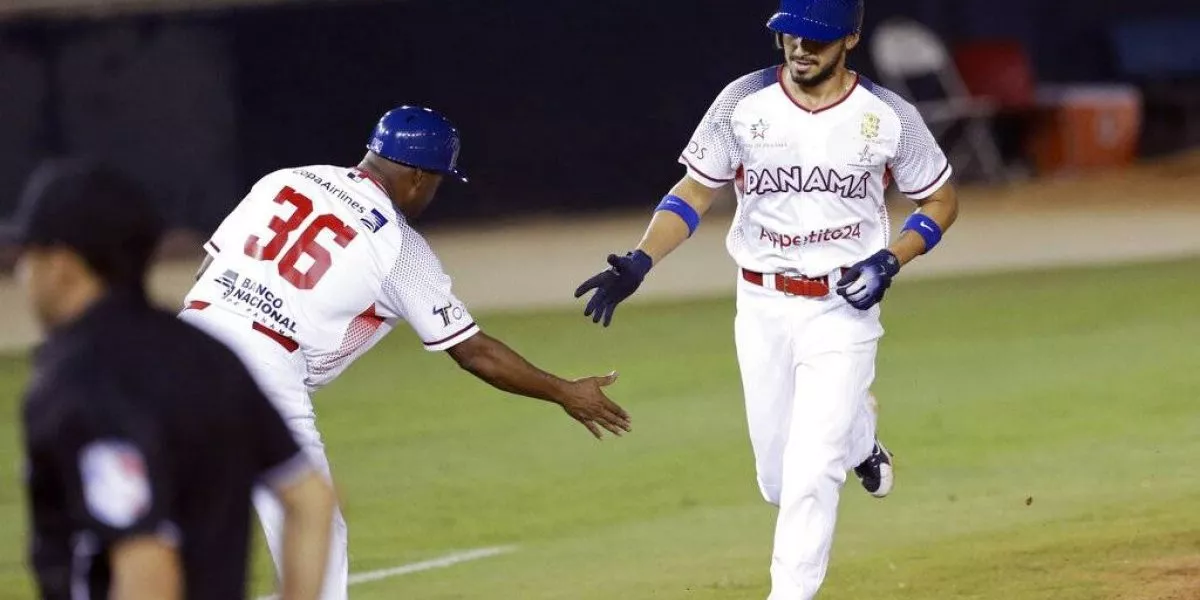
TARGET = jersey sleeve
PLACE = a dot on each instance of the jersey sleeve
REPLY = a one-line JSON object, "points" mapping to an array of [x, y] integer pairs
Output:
{"points": [[419, 291], [116, 473], [919, 166], [714, 153]]}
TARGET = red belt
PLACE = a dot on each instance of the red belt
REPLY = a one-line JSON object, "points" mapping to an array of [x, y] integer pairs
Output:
{"points": [[808, 287], [288, 343]]}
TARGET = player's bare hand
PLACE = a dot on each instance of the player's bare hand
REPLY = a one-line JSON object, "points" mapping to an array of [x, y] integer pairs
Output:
{"points": [[585, 401]]}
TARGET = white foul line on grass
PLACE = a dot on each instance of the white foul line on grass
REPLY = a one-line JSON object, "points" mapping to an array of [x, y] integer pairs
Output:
{"points": [[437, 563], [442, 562]]}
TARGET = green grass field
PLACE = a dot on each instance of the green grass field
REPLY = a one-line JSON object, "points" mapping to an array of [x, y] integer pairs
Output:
{"points": [[1046, 426]]}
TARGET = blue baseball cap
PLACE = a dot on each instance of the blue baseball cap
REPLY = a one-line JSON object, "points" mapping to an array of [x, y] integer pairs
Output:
{"points": [[418, 137], [821, 20]]}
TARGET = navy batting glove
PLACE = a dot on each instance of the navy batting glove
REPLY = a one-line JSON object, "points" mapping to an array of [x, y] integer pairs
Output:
{"points": [[864, 284], [614, 285]]}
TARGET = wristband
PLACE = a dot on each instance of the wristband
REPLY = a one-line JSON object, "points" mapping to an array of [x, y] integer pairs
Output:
{"points": [[642, 263], [927, 228], [677, 205]]}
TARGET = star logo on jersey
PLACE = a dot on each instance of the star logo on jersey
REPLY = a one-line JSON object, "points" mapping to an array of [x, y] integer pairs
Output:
{"points": [[758, 130], [864, 157], [870, 126]]}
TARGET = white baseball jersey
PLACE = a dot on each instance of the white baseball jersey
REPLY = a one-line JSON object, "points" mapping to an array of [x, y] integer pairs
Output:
{"points": [[810, 184], [319, 256]]}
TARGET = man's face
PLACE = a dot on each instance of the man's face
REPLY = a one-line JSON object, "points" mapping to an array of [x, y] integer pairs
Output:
{"points": [[810, 62], [44, 274]]}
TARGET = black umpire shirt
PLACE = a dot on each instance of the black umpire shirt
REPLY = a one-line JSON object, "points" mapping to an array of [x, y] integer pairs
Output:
{"points": [[137, 424]]}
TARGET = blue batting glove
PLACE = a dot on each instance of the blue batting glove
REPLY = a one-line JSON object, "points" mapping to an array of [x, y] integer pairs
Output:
{"points": [[864, 284], [614, 285]]}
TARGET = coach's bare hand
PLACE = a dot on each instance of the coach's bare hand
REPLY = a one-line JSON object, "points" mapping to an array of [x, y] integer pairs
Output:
{"points": [[585, 401]]}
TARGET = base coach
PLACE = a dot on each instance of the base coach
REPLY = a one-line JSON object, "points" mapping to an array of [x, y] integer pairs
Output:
{"points": [[143, 437]]}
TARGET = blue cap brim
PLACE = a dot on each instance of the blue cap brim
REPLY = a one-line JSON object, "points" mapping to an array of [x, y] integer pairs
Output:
{"points": [[805, 28], [455, 173]]}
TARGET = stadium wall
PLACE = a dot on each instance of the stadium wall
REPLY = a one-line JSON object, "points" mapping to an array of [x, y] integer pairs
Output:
{"points": [[565, 106]]}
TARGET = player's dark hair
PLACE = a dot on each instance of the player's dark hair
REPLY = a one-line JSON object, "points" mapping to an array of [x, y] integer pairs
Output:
{"points": [[101, 215]]}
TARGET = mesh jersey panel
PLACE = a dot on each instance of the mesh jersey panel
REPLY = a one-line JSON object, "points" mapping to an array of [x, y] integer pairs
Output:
{"points": [[919, 162], [419, 290], [358, 334], [715, 132], [885, 221]]}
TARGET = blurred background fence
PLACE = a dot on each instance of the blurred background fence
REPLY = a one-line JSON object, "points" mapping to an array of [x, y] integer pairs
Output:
{"points": [[564, 105]]}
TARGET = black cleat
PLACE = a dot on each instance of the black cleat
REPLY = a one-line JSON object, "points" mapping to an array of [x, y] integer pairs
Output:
{"points": [[875, 473]]}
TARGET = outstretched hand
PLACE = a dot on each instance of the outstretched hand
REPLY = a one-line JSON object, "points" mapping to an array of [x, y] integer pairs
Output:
{"points": [[614, 285], [585, 401]]}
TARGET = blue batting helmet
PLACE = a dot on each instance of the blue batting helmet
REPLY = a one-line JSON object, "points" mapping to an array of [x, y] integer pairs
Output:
{"points": [[418, 137], [821, 20]]}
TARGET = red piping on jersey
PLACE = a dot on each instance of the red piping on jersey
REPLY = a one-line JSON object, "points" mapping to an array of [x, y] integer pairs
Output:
{"points": [[370, 314], [779, 76], [933, 183], [369, 321], [451, 336], [702, 173], [371, 178], [288, 343]]}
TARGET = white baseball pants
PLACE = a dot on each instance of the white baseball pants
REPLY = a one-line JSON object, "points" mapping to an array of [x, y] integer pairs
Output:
{"points": [[807, 367], [281, 375]]}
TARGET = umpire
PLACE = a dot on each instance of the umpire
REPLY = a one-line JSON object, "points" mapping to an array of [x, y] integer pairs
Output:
{"points": [[143, 436]]}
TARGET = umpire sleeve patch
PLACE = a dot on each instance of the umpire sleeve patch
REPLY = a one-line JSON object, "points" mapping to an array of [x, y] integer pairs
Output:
{"points": [[116, 484]]}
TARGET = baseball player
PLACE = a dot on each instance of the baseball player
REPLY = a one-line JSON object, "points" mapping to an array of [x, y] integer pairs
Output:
{"points": [[318, 263], [810, 147]]}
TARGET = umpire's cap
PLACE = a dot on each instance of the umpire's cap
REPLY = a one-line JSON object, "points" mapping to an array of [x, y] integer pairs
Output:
{"points": [[95, 211], [821, 20], [418, 137]]}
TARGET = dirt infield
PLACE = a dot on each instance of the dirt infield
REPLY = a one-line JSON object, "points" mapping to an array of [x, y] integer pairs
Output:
{"points": [[1176, 578], [1137, 214]]}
